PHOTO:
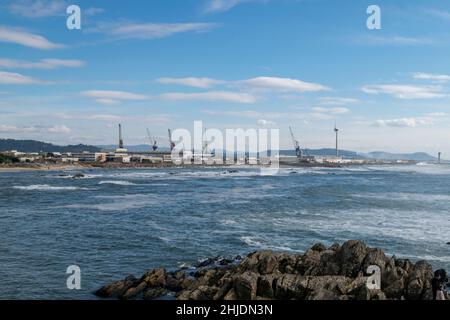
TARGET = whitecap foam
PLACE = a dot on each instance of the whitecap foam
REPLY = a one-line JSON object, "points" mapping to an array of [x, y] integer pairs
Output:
{"points": [[46, 187], [404, 196], [118, 203], [118, 182]]}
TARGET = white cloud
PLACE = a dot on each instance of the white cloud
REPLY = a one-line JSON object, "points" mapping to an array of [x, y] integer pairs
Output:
{"points": [[38, 8], [440, 13], [41, 64], [337, 110], [282, 84], [338, 101], [150, 30], [252, 114], [215, 6], [264, 122], [17, 78], [18, 36], [42, 129], [402, 122], [406, 91], [191, 82], [59, 129], [110, 97], [94, 117], [93, 11], [393, 40], [431, 76], [227, 96]]}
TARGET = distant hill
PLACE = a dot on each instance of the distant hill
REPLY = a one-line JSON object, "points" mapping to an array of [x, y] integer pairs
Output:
{"points": [[38, 146], [417, 156], [378, 155], [134, 148], [325, 152]]}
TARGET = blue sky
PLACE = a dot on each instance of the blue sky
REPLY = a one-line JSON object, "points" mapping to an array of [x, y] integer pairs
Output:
{"points": [[233, 64]]}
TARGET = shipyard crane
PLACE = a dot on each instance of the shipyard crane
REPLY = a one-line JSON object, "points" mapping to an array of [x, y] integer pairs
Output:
{"points": [[205, 147], [298, 150], [172, 144], [153, 142]]}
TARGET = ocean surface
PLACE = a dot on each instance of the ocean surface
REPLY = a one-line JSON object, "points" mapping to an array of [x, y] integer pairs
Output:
{"points": [[115, 222]]}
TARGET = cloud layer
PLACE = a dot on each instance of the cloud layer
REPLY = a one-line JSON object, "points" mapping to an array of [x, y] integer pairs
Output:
{"points": [[24, 38]]}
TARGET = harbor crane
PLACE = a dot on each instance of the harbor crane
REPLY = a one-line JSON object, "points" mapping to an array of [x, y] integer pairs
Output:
{"points": [[298, 150], [153, 142], [172, 144]]}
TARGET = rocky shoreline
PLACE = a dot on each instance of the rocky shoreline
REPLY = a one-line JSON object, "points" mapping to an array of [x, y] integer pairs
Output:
{"points": [[321, 273]]}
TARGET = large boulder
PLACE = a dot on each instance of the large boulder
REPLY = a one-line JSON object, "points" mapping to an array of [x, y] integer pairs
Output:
{"points": [[245, 285], [351, 256], [116, 289], [418, 286]]}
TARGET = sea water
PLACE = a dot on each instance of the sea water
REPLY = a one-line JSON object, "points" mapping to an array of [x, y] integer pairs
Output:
{"points": [[116, 222]]}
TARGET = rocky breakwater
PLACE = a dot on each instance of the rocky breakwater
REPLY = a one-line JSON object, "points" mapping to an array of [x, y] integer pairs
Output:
{"points": [[321, 273]]}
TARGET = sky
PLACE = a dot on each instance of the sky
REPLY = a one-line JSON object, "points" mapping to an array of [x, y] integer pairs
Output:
{"points": [[163, 64]]}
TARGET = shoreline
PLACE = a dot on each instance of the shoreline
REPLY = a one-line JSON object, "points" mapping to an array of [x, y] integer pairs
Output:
{"points": [[339, 272], [84, 166]]}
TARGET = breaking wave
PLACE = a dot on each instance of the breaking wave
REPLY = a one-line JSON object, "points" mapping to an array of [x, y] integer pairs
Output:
{"points": [[46, 187], [118, 182]]}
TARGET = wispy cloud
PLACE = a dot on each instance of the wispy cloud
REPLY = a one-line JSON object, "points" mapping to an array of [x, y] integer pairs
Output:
{"points": [[252, 114], [402, 122], [227, 96], [405, 91], [147, 31], [18, 79], [215, 6], [191, 82], [336, 110], [374, 40], [110, 97], [28, 129], [282, 84], [432, 76], [41, 64], [38, 8], [264, 122], [443, 14], [93, 117], [338, 101], [19, 36]]}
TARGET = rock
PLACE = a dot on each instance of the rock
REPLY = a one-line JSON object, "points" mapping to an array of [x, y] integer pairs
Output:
{"points": [[245, 286], [134, 291], [200, 293], [265, 286], [418, 286], [154, 293], [291, 286], [351, 256], [225, 286], [116, 289], [78, 176], [231, 295], [155, 278], [324, 294], [374, 257], [334, 273], [319, 247]]}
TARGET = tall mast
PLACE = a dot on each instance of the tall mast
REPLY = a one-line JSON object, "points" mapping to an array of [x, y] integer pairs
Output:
{"points": [[336, 130], [120, 137]]}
